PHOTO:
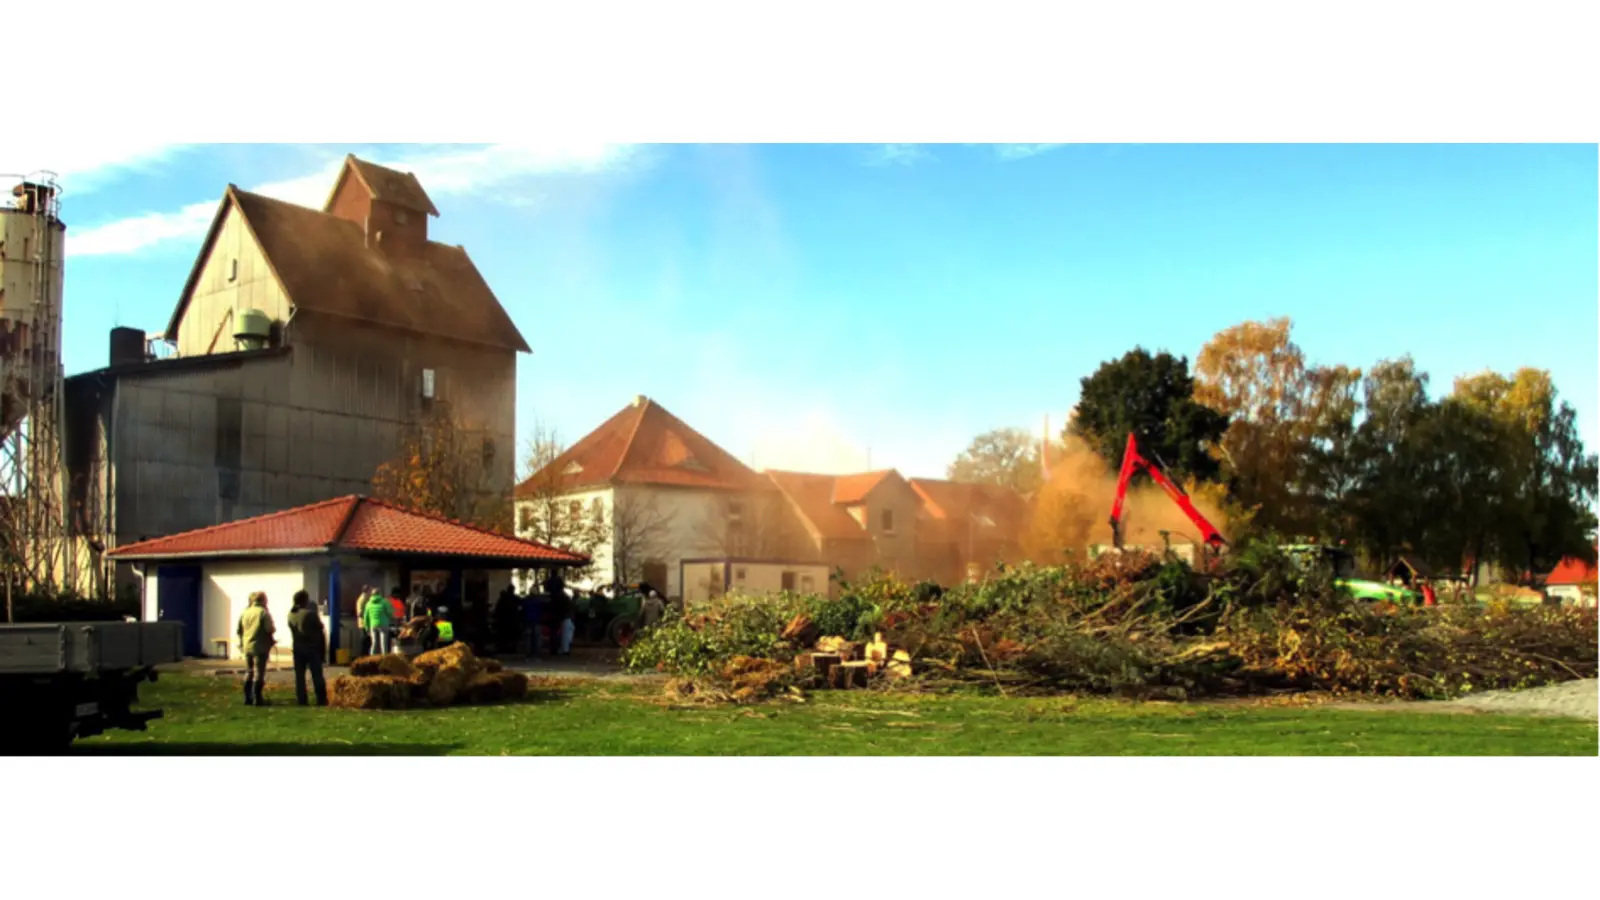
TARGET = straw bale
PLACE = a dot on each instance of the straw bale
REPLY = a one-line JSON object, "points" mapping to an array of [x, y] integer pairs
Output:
{"points": [[454, 655], [446, 685], [374, 692], [483, 688], [513, 685], [367, 666]]}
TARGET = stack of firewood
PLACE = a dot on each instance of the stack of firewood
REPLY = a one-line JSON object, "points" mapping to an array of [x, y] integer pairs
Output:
{"points": [[841, 664]]}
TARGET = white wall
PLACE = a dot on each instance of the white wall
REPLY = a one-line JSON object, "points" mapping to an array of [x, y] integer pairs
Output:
{"points": [[226, 588], [753, 578], [602, 554], [1569, 594]]}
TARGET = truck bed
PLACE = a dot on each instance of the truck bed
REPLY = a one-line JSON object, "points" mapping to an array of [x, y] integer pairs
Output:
{"points": [[88, 648]]}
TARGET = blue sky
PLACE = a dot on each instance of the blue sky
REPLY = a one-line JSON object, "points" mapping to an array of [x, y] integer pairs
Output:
{"points": [[814, 306]]}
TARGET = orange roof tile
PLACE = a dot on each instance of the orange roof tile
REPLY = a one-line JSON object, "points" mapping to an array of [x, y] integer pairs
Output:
{"points": [[645, 444], [813, 496], [949, 505], [1571, 570], [353, 524], [853, 489]]}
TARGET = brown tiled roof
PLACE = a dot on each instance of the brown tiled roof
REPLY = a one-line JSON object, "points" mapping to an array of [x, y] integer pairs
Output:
{"points": [[325, 266], [388, 185], [645, 444], [949, 506], [853, 489], [347, 524], [813, 496]]}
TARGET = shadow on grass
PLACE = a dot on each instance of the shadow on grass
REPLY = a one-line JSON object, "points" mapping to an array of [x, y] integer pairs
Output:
{"points": [[326, 748]]}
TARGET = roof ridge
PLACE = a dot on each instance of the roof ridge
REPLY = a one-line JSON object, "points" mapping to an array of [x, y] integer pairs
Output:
{"points": [[633, 435], [208, 529]]}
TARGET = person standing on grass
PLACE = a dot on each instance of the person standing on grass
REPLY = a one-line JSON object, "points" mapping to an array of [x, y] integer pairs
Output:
{"points": [[361, 616], [533, 621], [310, 648], [563, 608], [445, 628], [256, 638], [1429, 596], [376, 618]]}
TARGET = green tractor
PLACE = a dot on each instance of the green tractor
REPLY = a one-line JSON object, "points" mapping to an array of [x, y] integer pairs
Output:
{"points": [[613, 614], [1342, 564]]}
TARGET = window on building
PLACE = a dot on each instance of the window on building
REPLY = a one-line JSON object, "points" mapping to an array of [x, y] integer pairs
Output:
{"points": [[575, 509], [524, 519], [788, 581], [735, 511], [887, 520], [738, 574], [400, 217], [233, 269], [807, 584]]}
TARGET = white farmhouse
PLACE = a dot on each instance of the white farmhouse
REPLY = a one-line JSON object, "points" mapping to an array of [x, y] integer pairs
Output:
{"points": [[659, 493]]}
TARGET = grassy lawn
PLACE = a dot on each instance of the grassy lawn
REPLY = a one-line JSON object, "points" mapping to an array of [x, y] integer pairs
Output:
{"points": [[204, 716]]}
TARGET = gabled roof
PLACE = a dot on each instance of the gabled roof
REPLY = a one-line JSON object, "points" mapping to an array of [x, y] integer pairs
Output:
{"points": [[645, 444], [853, 489], [1571, 570], [813, 496], [385, 185], [350, 524], [999, 513], [324, 265]]}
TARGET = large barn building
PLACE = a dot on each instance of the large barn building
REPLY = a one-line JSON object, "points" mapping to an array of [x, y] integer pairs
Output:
{"points": [[305, 344]]}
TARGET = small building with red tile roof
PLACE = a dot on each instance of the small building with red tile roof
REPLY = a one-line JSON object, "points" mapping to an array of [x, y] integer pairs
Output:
{"points": [[305, 346], [331, 549], [1572, 581]]}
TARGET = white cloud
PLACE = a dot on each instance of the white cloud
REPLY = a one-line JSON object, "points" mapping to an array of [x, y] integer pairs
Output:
{"points": [[1011, 152], [443, 172], [82, 166], [897, 154]]}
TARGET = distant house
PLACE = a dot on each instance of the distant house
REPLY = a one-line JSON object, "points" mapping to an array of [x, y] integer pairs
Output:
{"points": [[307, 342], [855, 522], [964, 530], [661, 493], [1572, 581]]}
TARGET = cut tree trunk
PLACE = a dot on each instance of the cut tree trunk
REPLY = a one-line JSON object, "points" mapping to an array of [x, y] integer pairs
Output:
{"points": [[853, 674], [819, 663]]}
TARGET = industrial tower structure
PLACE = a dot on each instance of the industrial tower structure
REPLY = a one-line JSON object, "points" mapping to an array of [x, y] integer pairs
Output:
{"points": [[35, 543]]}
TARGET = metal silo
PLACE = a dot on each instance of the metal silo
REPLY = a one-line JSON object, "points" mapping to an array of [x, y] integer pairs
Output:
{"points": [[33, 534]]}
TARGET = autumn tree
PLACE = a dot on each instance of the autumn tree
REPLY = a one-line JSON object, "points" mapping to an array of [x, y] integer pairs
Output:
{"points": [[1004, 457], [546, 509], [446, 468], [1153, 397], [639, 532]]}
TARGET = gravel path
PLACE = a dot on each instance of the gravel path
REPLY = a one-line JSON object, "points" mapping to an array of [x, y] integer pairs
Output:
{"points": [[1579, 699]]}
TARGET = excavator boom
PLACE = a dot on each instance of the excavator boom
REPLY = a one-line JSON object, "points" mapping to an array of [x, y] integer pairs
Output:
{"points": [[1132, 462]]}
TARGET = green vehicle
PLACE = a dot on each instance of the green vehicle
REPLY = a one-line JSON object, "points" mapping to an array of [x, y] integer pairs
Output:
{"points": [[1345, 578], [612, 614]]}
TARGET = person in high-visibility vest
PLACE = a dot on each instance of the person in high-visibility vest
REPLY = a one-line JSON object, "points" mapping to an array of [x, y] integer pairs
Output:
{"points": [[447, 631]]}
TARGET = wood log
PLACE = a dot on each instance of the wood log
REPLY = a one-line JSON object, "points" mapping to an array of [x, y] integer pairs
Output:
{"points": [[838, 677], [854, 674], [819, 663], [877, 650], [800, 630]]}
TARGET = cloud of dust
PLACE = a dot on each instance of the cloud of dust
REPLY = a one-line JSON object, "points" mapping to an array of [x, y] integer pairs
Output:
{"points": [[1073, 511]]}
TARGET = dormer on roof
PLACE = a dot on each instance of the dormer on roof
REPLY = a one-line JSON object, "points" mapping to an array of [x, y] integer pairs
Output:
{"points": [[390, 206]]}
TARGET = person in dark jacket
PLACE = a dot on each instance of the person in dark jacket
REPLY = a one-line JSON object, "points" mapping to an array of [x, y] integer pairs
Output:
{"points": [[562, 611], [533, 621], [310, 648]]}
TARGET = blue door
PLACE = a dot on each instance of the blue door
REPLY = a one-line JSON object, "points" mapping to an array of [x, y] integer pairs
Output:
{"points": [[178, 600]]}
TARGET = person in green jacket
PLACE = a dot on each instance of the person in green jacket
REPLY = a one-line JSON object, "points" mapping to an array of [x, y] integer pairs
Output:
{"points": [[256, 635], [310, 648], [376, 617]]}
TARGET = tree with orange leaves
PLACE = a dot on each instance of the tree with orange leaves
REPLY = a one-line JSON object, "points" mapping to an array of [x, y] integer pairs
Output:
{"points": [[444, 468]]}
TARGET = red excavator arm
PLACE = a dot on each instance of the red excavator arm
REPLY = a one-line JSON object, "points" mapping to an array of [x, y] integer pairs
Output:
{"points": [[1132, 462]]}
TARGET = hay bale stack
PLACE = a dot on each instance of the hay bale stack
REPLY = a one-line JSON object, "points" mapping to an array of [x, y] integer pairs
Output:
{"points": [[454, 655], [375, 692], [492, 666], [484, 687], [446, 685], [367, 666], [396, 666], [513, 685]]}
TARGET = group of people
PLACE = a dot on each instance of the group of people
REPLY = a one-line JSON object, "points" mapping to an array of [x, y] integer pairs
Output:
{"points": [[385, 619], [257, 635]]}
